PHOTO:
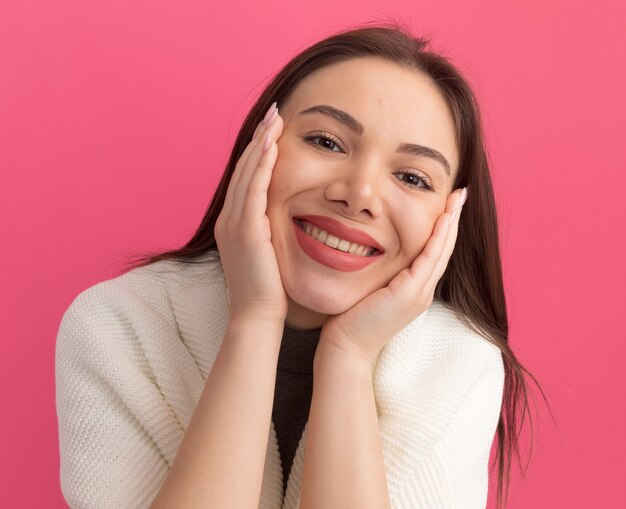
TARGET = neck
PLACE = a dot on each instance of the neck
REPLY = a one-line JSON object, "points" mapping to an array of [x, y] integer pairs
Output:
{"points": [[299, 317]]}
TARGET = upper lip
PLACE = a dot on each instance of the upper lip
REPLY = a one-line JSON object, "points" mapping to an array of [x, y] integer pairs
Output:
{"points": [[337, 229]]}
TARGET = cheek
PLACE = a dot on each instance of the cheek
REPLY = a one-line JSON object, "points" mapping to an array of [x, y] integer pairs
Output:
{"points": [[415, 228], [291, 175], [280, 184], [279, 191]]}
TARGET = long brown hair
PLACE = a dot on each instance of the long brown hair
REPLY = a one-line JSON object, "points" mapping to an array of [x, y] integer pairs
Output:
{"points": [[472, 284]]}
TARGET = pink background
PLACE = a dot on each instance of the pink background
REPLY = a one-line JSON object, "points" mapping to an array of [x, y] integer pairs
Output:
{"points": [[115, 124]]}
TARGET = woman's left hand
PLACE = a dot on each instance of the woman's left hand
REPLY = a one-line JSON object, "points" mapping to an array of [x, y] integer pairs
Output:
{"points": [[364, 329]]}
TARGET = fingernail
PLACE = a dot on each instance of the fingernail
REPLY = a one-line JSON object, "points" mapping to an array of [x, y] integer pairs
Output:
{"points": [[269, 112], [464, 196], [273, 117], [267, 142]]}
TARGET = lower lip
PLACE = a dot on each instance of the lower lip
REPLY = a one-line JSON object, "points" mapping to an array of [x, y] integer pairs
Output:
{"points": [[333, 258]]}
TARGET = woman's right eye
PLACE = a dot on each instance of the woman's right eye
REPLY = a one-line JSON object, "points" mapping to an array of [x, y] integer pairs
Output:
{"points": [[325, 141]]}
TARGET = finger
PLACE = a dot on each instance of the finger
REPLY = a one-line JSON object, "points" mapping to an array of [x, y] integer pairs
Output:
{"points": [[424, 264], [256, 175], [450, 241], [234, 179], [255, 201], [248, 164]]}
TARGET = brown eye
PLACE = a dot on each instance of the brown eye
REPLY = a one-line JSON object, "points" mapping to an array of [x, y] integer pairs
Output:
{"points": [[415, 180], [324, 141]]}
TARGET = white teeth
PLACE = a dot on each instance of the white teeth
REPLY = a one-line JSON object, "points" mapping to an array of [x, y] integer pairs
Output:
{"points": [[335, 242], [332, 241]]}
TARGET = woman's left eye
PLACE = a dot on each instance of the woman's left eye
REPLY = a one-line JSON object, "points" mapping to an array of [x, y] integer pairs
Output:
{"points": [[415, 180], [324, 140]]}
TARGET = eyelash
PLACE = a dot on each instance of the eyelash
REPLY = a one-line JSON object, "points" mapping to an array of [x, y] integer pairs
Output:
{"points": [[426, 185]]}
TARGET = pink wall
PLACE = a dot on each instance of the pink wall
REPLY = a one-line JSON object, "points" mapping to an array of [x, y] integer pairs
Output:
{"points": [[116, 119]]}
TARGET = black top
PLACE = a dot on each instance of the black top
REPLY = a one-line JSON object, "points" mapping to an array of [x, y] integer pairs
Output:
{"points": [[293, 391]]}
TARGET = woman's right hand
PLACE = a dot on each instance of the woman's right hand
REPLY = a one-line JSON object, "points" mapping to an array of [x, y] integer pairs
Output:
{"points": [[242, 230]]}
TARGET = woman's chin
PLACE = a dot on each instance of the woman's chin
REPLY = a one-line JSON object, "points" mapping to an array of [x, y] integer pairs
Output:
{"points": [[323, 301]]}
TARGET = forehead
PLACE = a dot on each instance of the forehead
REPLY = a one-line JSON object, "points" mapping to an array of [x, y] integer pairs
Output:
{"points": [[393, 103]]}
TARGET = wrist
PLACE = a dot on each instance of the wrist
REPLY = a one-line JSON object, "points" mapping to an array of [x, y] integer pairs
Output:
{"points": [[254, 325], [258, 318], [342, 356]]}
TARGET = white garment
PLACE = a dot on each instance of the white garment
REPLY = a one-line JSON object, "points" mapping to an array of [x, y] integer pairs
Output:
{"points": [[133, 354]]}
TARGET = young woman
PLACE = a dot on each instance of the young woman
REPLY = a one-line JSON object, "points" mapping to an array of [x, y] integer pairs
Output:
{"points": [[334, 334]]}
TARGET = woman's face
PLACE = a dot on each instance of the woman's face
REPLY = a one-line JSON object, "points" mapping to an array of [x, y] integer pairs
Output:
{"points": [[370, 145]]}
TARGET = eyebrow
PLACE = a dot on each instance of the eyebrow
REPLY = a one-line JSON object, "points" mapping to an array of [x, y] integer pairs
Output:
{"points": [[354, 125]]}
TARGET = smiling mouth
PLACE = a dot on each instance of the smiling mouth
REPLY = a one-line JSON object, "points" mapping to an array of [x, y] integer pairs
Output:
{"points": [[334, 242]]}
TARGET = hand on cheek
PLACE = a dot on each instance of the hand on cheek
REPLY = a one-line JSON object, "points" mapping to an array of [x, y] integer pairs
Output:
{"points": [[242, 230], [363, 330]]}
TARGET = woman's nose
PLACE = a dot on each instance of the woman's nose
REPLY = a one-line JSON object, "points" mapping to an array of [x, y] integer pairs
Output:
{"points": [[359, 190]]}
